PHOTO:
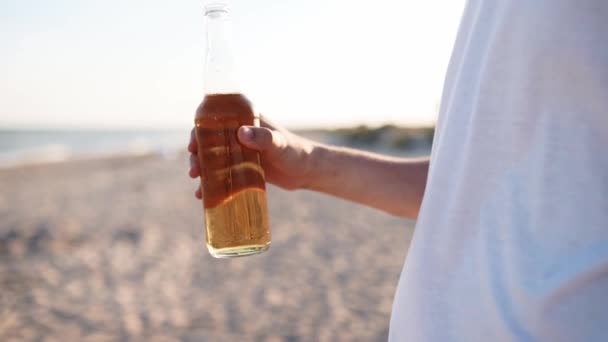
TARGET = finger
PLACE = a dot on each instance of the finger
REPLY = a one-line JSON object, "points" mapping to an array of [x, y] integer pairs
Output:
{"points": [[192, 145], [261, 139], [198, 193], [195, 169]]}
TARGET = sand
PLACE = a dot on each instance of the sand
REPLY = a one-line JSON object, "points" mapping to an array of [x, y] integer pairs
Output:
{"points": [[113, 249]]}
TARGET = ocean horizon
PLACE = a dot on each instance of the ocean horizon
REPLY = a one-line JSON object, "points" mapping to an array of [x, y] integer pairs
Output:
{"points": [[39, 146], [19, 146]]}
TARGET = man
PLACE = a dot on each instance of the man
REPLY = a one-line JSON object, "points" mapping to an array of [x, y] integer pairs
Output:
{"points": [[511, 241]]}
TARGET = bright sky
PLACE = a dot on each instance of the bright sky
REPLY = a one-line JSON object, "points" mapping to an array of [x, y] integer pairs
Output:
{"points": [[304, 63]]}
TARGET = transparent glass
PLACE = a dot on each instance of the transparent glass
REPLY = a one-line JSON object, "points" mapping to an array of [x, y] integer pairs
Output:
{"points": [[220, 67], [232, 179]]}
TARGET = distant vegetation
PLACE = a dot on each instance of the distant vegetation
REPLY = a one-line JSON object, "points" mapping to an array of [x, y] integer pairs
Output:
{"points": [[387, 135]]}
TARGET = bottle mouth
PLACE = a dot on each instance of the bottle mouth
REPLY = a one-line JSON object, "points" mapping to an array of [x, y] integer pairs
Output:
{"points": [[216, 8]]}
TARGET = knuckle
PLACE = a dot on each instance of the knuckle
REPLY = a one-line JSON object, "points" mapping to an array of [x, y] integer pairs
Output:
{"points": [[267, 136], [194, 163]]}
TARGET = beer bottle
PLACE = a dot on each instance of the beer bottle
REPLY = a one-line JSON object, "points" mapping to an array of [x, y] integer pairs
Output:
{"points": [[232, 179]]}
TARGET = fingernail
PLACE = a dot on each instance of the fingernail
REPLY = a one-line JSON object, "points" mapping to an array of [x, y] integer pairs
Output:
{"points": [[246, 133]]}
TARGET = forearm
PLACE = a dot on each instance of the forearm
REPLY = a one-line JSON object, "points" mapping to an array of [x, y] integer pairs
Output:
{"points": [[394, 185]]}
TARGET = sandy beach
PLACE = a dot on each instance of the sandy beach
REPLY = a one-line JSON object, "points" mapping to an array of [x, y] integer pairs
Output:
{"points": [[113, 249]]}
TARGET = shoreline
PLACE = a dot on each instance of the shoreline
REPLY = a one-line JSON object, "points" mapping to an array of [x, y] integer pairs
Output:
{"points": [[89, 158]]}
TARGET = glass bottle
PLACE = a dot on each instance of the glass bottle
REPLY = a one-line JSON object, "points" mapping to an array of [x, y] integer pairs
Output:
{"points": [[232, 179]]}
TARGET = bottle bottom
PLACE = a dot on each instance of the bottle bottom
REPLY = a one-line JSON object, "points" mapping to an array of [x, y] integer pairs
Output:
{"points": [[239, 225], [234, 252]]}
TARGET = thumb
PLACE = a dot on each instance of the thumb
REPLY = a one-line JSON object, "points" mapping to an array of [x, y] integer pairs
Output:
{"points": [[261, 139]]}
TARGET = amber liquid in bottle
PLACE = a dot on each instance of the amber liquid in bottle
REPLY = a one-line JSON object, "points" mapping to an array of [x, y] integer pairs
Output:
{"points": [[232, 179]]}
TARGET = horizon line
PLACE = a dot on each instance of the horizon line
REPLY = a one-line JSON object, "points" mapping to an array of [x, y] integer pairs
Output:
{"points": [[152, 128]]}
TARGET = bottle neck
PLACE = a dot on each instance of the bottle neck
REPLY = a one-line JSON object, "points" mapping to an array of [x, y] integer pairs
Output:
{"points": [[220, 69]]}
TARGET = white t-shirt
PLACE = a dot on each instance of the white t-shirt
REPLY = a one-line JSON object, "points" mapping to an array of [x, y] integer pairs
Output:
{"points": [[512, 238]]}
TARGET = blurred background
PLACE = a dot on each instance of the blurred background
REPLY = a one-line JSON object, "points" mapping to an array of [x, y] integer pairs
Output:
{"points": [[100, 235]]}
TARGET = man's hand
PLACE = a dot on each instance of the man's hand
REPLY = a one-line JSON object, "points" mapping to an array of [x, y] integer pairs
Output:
{"points": [[394, 185], [284, 155]]}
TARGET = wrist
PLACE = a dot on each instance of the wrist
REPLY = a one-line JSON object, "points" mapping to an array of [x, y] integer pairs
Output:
{"points": [[314, 158]]}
